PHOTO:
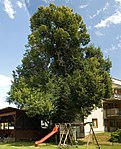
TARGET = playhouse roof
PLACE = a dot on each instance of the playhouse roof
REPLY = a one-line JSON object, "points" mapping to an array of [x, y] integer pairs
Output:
{"points": [[9, 109]]}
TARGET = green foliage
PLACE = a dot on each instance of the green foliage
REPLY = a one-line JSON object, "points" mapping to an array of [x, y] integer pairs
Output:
{"points": [[61, 76], [116, 136]]}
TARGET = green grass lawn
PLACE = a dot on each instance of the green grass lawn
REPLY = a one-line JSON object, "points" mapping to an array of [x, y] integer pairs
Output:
{"points": [[28, 145], [103, 140]]}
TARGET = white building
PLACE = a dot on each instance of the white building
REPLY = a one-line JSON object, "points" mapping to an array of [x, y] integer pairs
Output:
{"points": [[107, 118], [96, 117]]}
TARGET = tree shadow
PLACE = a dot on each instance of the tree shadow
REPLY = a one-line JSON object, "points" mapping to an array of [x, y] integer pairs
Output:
{"points": [[19, 144]]}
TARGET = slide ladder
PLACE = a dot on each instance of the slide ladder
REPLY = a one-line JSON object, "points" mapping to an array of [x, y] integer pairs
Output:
{"points": [[67, 135]]}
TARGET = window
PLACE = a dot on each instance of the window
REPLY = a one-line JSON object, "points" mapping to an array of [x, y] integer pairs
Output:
{"points": [[112, 123], [95, 123]]}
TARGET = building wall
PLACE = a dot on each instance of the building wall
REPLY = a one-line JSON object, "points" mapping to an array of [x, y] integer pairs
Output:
{"points": [[95, 115], [99, 112]]}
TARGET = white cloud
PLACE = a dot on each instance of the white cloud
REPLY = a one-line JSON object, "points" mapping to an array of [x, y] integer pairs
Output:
{"points": [[114, 19], [98, 33], [118, 37], [106, 6], [119, 45], [9, 8], [4, 81], [27, 2], [119, 1], [83, 6], [116, 45], [100, 10], [19, 4], [89, 27], [3, 95], [44, 1], [96, 14], [67, 1], [118, 4], [50, 1], [112, 48]]}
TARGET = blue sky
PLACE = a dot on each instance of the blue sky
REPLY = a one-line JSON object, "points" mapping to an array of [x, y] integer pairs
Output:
{"points": [[102, 18], [14, 28]]}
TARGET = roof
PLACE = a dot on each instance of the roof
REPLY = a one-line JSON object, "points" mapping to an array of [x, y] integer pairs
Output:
{"points": [[116, 81], [112, 100], [9, 109]]}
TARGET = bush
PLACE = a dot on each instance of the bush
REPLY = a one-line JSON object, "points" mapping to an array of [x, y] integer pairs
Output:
{"points": [[116, 136]]}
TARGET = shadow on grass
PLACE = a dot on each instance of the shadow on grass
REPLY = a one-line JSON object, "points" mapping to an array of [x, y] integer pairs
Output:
{"points": [[28, 145], [19, 144], [81, 142]]}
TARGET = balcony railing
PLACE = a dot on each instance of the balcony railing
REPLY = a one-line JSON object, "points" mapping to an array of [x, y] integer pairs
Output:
{"points": [[112, 112], [116, 95]]}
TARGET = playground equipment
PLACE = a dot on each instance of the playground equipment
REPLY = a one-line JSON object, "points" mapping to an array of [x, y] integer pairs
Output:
{"points": [[66, 135], [93, 134], [55, 129]]}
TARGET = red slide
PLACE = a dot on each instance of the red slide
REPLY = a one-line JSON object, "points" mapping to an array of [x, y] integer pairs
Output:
{"points": [[55, 129]]}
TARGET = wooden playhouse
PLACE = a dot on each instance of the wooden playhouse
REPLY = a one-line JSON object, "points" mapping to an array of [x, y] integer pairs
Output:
{"points": [[15, 125]]}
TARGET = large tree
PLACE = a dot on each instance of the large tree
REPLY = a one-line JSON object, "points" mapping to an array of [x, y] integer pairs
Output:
{"points": [[61, 75]]}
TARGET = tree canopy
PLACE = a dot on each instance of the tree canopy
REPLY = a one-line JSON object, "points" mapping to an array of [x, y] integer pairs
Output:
{"points": [[61, 75]]}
